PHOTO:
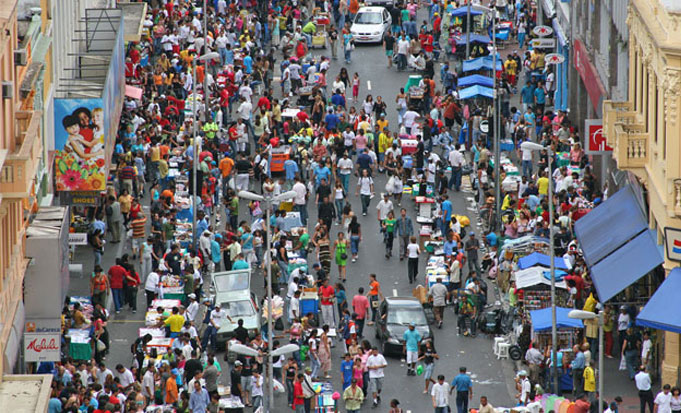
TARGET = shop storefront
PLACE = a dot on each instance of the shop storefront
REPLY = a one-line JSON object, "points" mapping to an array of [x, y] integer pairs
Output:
{"points": [[561, 69]]}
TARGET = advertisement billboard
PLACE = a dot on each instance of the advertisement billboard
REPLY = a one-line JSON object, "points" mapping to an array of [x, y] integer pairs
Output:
{"points": [[42, 340], [596, 144], [79, 133]]}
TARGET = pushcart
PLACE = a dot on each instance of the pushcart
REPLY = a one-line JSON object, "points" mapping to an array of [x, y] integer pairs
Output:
{"points": [[309, 303], [321, 21]]}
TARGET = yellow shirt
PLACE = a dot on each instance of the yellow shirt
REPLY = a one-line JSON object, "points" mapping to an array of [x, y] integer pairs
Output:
{"points": [[163, 168], [382, 124], [155, 153], [384, 142], [543, 185], [589, 379], [506, 203], [175, 322], [511, 66]]}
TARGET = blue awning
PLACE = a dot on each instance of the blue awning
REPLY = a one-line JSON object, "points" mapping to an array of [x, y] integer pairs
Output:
{"points": [[486, 62], [476, 80], [537, 258], [476, 92], [560, 35], [541, 319], [663, 311], [463, 12], [610, 225], [475, 38], [625, 266]]}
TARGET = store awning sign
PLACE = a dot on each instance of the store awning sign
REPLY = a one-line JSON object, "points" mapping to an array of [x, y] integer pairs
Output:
{"points": [[554, 59], [672, 241], [596, 144], [542, 31], [543, 42]]}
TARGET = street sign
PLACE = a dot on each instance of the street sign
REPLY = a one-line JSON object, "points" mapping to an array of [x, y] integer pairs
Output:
{"points": [[554, 59], [543, 42], [542, 31], [672, 242], [42, 340], [77, 238], [484, 126], [596, 143]]}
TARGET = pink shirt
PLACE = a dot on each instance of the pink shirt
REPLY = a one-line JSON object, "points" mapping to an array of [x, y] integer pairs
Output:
{"points": [[361, 141], [360, 305]]}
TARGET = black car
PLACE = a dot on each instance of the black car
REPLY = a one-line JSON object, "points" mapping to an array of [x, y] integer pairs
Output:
{"points": [[394, 316]]}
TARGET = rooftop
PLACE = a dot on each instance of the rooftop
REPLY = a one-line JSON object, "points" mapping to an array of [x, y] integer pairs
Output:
{"points": [[25, 393]]}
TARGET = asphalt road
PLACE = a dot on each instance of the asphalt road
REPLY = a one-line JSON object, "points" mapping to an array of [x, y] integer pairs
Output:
{"points": [[490, 376]]}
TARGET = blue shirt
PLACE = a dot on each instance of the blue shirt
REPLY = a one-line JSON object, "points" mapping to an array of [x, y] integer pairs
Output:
{"points": [[492, 239], [364, 161], [447, 210], [240, 265], [338, 100], [331, 121], [199, 401], [462, 382], [540, 95], [201, 226], [229, 57], [54, 406], [320, 173], [346, 369], [532, 202], [527, 94], [215, 251], [248, 64], [411, 339], [579, 362], [248, 241], [449, 247], [291, 169]]}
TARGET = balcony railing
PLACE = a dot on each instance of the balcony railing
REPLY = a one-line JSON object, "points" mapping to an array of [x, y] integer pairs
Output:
{"points": [[631, 149], [19, 169]]}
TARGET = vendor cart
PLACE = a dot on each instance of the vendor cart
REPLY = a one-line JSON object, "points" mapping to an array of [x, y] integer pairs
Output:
{"points": [[309, 302], [321, 21]]}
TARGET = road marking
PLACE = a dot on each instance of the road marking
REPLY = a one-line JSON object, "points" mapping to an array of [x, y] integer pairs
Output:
{"points": [[394, 292], [120, 340], [368, 84]]}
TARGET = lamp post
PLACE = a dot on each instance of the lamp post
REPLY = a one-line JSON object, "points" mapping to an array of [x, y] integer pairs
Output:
{"points": [[588, 315], [552, 256], [195, 200], [468, 29], [268, 200], [497, 140]]}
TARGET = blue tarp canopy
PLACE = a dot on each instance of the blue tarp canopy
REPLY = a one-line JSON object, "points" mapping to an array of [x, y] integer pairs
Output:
{"points": [[541, 319], [537, 258], [475, 38], [476, 80], [503, 34], [463, 12], [485, 62], [476, 92], [663, 311], [617, 246]]}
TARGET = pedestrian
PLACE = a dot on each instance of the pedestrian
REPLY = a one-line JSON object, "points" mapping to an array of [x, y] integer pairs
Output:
{"points": [[340, 251], [472, 246], [324, 352], [630, 351], [578, 366], [428, 356], [355, 230], [523, 387], [353, 397], [151, 286], [440, 395], [374, 295], [312, 353], [355, 86], [464, 390], [590, 380], [114, 218], [388, 228], [298, 395], [328, 295], [117, 276], [405, 229], [438, 295], [360, 308], [365, 189], [376, 364], [644, 386], [99, 287], [412, 339], [413, 252]]}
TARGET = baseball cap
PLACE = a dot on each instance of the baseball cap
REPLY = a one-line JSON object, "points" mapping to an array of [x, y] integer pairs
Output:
{"points": [[238, 363], [192, 296]]}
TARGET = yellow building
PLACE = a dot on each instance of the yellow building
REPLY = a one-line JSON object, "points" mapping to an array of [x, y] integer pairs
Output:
{"points": [[645, 131]]}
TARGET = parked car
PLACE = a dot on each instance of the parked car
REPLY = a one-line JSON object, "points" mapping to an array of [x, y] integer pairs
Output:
{"points": [[233, 292], [370, 24], [394, 316]]}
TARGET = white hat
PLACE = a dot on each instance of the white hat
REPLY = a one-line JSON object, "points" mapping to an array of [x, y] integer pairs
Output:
{"points": [[192, 296]]}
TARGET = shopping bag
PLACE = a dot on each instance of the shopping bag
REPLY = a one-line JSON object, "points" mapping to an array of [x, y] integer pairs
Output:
{"points": [[623, 364]]}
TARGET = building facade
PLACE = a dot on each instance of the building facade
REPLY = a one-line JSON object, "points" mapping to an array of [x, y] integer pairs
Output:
{"points": [[644, 130]]}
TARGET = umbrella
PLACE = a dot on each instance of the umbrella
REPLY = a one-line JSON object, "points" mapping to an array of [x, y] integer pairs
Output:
{"points": [[480, 63], [463, 12], [475, 92], [476, 80]]}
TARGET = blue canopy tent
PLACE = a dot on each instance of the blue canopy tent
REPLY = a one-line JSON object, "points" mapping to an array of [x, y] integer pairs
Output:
{"points": [[476, 92], [662, 311], [485, 62], [475, 38], [476, 80], [537, 258], [463, 12], [503, 34], [541, 319]]}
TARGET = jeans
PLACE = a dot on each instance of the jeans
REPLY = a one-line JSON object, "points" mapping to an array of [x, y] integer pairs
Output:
{"points": [[345, 180], [302, 209], [374, 312], [389, 238], [146, 267], [404, 241], [401, 61], [527, 169], [455, 179], [366, 199], [578, 382], [462, 401], [354, 244], [210, 335], [413, 266], [360, 326], [348, 55], [289, 391], [118, 298], [98, 256], [441, 409], [314, 365], [473, 265], [339, 209], [631, 357], [521, 39]]}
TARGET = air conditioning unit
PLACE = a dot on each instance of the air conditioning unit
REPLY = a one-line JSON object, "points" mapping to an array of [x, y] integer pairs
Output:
{"points": [[7, 90], [20, 57]]}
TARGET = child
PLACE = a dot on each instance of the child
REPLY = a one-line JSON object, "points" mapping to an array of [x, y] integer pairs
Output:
{"points": [[75, 143], [355, 86]]}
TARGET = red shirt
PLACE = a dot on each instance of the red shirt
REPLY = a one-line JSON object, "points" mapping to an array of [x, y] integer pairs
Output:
{"points": [[582, 406], [302, 116], [298, 399], [116, 276], [327, 293], [360, 305], [264, 102]]}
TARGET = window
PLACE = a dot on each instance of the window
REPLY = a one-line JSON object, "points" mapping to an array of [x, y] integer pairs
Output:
{"points": [[656, 116]]}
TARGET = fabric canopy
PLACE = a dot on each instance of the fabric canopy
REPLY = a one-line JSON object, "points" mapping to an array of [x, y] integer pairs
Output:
{"points": [[476, 80], [485, 62], [475, 38], [534, 276], [537, 258], [476, 92], [625, 266], [663, 311], [463, 12], [541, 319]]}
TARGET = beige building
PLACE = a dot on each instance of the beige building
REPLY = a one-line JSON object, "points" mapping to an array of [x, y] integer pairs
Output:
{"points": [[645, 131]]}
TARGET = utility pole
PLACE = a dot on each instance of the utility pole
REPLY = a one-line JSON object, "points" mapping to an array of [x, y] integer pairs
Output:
{"points": [[468, 30], [206, 99], [497, 140]]}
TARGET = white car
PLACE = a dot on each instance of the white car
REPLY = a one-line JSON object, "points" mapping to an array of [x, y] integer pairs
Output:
{"points": [[370, 24]]}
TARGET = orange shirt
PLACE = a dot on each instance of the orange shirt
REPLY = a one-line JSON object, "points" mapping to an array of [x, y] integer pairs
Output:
{"points": [[226, 165], [167, 193], [374, 286], [158, 80], [164, 150], [171, 390], [200, 71]]}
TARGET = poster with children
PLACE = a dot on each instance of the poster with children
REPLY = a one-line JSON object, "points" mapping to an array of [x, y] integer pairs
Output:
{"points": [[80, 163]]}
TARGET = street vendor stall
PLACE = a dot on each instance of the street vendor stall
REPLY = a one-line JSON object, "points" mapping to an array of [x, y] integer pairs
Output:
{"points": [[568, 328], [280, 154], [80, 340], [535, 284]]}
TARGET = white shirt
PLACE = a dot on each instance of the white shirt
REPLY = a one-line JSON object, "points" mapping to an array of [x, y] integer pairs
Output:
{"points": [[126, 378], [527, 154], [663, 402], [375, 361], [623, 321], [101, 376], [383, 209], [256, 386], [192, 311], [455, 158], [440, 393], [152, 282], [294, 308], [409, 118], [245, 110], [364, 184], [646, 347], [300, 191], [525, 390], [413, 250], [217, 318], [402, 46], [148, 383], [643, 382], [345, 166], [187, 351]]}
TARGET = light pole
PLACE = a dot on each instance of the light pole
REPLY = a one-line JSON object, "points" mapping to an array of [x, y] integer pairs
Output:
{"points": [[552, 257], [468, 30], [588, 315], [195, 168], [268, 200], [497, 141]]}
